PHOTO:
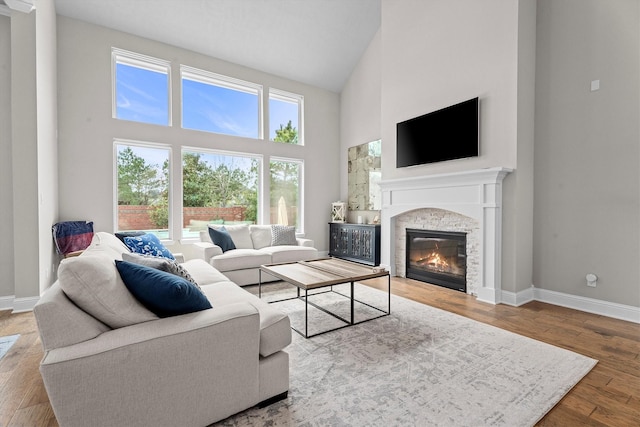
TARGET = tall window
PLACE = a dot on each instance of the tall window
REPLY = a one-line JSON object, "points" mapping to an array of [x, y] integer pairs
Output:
{"points": [[141, 89], [285, 117], [218, 188], [285, 197], [142, 188], [220, 104]]}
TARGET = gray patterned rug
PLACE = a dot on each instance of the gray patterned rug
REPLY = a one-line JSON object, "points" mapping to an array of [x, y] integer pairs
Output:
{"points": [[420, 366]]}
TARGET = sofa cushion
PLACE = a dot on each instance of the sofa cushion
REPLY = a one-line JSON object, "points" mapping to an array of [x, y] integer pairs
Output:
{"points": [[240, 236], [92, 282], [107, 244], [163, 293], [238, 259], [290, 253], [260, 236], [203, 272], [283, 235], [159, 263], [275, 326], [222, 238], [148, 244]]}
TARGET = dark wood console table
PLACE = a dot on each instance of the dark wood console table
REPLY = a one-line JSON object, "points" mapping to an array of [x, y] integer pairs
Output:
{"points": [[355, 242]]}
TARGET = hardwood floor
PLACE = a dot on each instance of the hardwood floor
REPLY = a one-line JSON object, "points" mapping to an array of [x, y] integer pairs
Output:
{"points": [[608, 396]]}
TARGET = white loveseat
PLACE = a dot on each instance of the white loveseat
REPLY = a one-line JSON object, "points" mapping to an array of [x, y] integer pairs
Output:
{"points": [[109, 361], [253, 248]]}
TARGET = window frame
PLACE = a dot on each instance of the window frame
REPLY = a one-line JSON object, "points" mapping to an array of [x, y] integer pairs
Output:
{"points": [[284, 96], [170, 198], [145, 62], [226, 82]]}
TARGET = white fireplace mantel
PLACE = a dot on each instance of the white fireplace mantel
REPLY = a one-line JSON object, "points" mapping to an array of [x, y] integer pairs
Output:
{"points": [[475, 193]]}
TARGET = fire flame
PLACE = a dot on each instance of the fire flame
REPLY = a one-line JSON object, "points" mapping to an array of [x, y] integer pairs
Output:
{"points": [[436, 261]]}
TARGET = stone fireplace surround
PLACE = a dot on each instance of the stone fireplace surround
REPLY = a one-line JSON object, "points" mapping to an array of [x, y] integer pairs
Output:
{"points": [[469, 201]]}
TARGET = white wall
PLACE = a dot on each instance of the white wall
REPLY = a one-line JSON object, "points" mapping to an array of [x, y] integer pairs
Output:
{"points": [[47, 131], [360, 113], [438, 53], [6, 169], [24, 157], [587, 154], [86, 129]]}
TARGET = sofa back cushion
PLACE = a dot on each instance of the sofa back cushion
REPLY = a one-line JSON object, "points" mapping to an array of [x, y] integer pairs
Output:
{"points": [[93, 283], [260, 236], [239, 234], [107, 244]]}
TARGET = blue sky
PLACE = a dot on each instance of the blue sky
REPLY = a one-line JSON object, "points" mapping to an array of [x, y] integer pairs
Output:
{"points": [[142, 95]]}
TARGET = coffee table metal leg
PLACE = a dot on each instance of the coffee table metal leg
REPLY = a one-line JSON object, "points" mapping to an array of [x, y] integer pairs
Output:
{"points": [[389, 292], [352, 305], [259, 283], [306, 313]]}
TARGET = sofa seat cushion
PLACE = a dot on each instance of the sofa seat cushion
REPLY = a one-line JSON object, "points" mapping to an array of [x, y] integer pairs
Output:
{"points": [[275, 326], [240, 259], [202, 272], [290, 253]]}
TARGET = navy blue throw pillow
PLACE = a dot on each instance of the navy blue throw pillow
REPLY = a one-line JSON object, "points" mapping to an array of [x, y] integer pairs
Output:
{"points": [[221, 237], [163, 293]]}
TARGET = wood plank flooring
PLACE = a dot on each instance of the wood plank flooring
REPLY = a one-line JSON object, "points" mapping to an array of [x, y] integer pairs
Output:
{"points": [[608, 396]]}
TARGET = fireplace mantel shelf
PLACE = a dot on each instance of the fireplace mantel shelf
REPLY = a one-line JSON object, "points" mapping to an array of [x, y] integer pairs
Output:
{"points": [[452, 179], [474, 193]]}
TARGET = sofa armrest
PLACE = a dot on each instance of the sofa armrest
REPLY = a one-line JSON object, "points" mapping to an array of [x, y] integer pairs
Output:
{"points": [[304, 242], [170, 367], [179, 257], [206, 250]]}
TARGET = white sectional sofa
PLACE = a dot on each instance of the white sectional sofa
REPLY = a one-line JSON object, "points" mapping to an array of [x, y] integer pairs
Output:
{"points": [[254, 247], [110, 361]]}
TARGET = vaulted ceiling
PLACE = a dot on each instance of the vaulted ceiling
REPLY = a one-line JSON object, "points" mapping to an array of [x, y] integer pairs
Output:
{"points": [[317, 42]]}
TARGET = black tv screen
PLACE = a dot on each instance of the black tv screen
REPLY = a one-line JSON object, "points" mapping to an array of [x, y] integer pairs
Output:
{"points": [[446, 134]]}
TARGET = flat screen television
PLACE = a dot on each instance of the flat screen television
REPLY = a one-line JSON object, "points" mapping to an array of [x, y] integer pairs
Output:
{"points": [[446, 134]]}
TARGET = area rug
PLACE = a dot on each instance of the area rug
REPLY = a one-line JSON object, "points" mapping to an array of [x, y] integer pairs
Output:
{"points": [[6, 343], [420, 366]]}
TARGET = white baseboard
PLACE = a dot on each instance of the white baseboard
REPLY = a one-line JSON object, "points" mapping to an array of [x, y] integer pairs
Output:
{"points": [[6, 303], [590, 305], [517, 299], [21, 305]]}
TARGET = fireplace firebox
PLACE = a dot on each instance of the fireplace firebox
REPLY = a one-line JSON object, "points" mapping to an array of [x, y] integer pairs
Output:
{"points": [[437, 257]]}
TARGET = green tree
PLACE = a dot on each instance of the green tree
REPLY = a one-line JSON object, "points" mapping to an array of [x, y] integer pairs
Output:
{"points": [[197, 177], [228, 185], [218, 185], [287, 134], [138, 182]]}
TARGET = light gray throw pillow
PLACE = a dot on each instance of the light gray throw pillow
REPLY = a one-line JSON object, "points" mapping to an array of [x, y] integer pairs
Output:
{"points": [[283, 235], [159, 263]]}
